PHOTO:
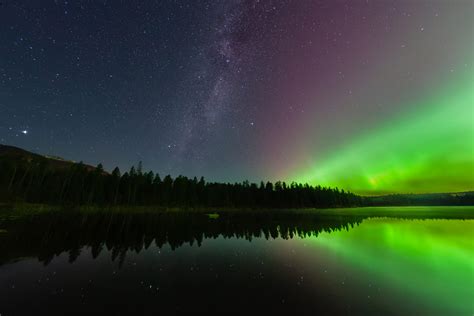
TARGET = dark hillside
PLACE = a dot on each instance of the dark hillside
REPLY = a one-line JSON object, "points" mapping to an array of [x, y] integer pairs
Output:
{"points": [[17, 155], [455, 198]]}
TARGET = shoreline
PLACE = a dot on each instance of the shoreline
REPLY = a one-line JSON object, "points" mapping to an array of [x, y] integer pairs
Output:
{"points": [[20, 210]]}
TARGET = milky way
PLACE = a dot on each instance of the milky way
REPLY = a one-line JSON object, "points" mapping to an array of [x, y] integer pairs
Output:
{"points": [[371, 96]]}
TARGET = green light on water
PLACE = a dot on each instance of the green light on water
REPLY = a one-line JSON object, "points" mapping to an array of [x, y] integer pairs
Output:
{"points": [[431, 261]]}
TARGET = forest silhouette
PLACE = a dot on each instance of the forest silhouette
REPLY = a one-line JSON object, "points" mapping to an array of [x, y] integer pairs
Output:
{"points": [[26, 177], [40, 180]]}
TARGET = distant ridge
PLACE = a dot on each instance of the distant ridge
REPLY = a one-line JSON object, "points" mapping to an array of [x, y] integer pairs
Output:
{"points": [[18, 154], [452, 198]]}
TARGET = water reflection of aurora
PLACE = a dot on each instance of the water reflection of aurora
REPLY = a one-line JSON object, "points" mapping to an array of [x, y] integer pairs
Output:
{"points": [[430, 260]]}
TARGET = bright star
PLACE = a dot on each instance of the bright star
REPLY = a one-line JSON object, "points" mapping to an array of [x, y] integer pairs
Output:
{"points": [[24, 131]]}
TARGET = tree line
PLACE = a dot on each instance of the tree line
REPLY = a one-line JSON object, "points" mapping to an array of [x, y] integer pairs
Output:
{"points": [[39, 181]]}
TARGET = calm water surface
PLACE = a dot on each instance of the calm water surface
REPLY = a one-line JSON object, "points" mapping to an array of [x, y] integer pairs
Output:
{"points": [[357, 266]]}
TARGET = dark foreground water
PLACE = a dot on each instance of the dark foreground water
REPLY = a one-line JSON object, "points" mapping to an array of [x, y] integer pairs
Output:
{"points": [[260, 264]]}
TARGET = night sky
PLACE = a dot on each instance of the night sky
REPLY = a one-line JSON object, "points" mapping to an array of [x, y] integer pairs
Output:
{"points": [[371, 96]]}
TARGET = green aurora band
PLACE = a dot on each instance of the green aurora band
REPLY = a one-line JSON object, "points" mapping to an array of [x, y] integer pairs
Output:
{"points": [[430, 149]]}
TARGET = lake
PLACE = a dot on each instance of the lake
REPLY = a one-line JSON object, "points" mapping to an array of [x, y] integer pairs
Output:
{"points": [[263, 263]]}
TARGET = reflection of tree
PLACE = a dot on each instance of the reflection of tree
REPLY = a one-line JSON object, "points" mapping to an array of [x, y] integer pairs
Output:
{"points": [[47, 235]]}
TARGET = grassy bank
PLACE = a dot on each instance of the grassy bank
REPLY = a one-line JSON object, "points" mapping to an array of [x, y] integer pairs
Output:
{"points": [[26, 209]]}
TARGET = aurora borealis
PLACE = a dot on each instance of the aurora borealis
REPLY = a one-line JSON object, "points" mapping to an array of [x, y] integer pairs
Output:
{"points": [[374, 97], [428, 151]]}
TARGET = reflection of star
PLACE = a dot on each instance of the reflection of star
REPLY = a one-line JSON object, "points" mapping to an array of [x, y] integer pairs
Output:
{"points": [[24, 131]]}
